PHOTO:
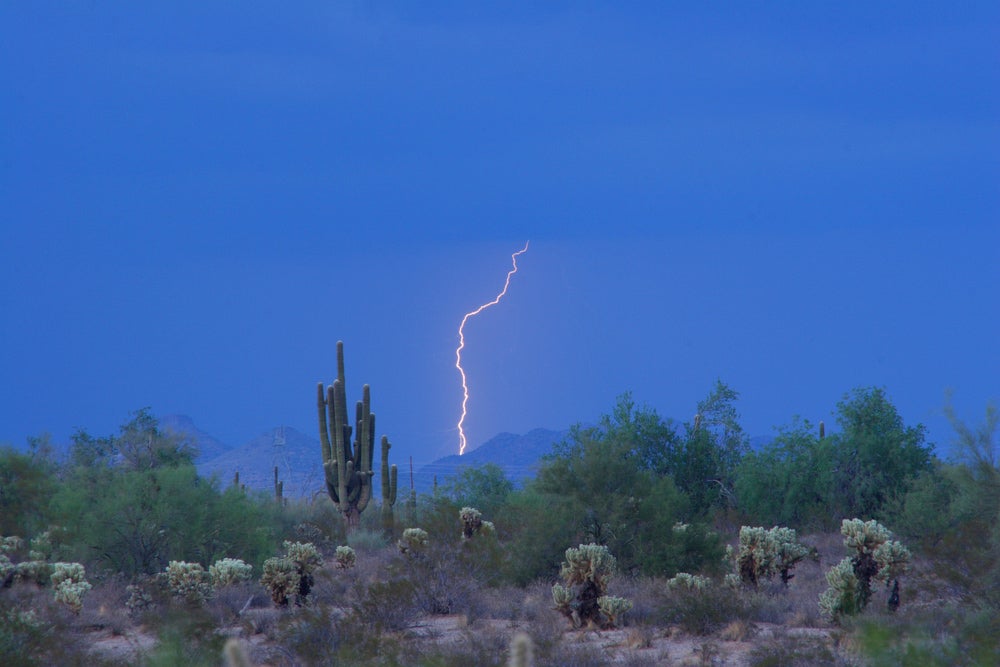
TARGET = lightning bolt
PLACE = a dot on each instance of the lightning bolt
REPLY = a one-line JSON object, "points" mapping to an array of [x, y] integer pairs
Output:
{"points": [[461, 344]]}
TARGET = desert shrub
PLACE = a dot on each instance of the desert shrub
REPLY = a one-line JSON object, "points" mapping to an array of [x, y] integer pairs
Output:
{"points": [[229, 571], [970, 637], [367, 540], [186, 637], [699, 605], [785, 650], [764, 553], [312, 635], [385, 606]]}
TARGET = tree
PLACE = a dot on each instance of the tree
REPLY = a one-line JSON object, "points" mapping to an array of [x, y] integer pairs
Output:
{"points": [[618, 499], [876, 457], [788, 481], [26, 485], [703, 464], [485, 487]]}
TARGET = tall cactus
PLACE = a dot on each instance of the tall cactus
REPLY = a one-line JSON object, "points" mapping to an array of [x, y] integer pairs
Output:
{"points": [[348, 469], [388, 478]]}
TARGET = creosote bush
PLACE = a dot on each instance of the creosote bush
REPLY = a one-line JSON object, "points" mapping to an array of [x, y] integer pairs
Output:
{"points": [[698, 605]]}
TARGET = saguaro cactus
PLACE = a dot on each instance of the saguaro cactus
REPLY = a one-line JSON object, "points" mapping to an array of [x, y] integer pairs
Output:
{"points": [[389, 477], [348, 470]]}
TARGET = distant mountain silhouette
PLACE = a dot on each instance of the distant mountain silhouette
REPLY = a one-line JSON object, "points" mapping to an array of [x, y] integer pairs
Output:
{"points": [[182, 425], [517, 455], [296, 455]]}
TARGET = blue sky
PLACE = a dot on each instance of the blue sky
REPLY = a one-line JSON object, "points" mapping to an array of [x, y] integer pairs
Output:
{"points": [[198, 200]]}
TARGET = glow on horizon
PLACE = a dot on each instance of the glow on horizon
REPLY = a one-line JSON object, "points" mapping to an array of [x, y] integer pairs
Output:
{"points": [[461, 345]]}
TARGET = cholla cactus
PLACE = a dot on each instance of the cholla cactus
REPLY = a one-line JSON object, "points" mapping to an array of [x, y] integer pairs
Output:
{"points": [[229, 571], [562, 597], [588, 563], [346, 558], [138, 599], [69, 584], [7, 570], [281, 579], [841, 598], [864, 536], [37, 571], [10, 544], [413, 541], [877, 558], [688, 582], [893, 561], [522, 651], [291, 574], [589, 566], [765, 553], [472, 522], [613, 608], [41, 546], [188, 581]]}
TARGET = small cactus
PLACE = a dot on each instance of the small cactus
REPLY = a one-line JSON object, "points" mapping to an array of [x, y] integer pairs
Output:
{"points": [[588, 566], [188, 581], [413, 541], [229, 571], [69, 584], [613, 608], [345, 558], [764, 553], [291, 575], [522, 651], [876, 558], [688, 582]]}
